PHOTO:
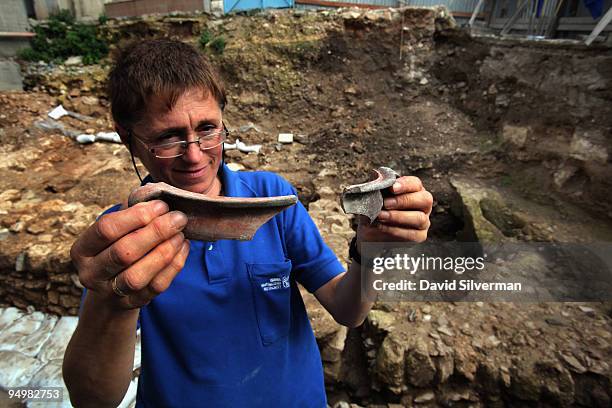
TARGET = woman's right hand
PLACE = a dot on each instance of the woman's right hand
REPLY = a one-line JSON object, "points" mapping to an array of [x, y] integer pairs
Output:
{"points": [[130, 256]]}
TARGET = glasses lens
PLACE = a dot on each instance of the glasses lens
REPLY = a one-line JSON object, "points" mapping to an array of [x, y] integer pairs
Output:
{"points": [[168, 150], [206, 140], [212, 139]]}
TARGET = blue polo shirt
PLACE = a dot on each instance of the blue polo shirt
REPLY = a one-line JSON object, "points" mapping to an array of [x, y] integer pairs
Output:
{"points": [[232, 329]]}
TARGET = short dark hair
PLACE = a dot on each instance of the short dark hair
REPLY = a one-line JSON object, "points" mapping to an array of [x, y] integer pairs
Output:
{"points": [[158, 68]]}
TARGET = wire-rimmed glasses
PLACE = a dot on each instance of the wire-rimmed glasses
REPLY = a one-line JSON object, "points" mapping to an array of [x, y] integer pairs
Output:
{"points": [[206, 140]]}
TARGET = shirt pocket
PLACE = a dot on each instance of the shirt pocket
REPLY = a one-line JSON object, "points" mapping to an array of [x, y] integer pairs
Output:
{"points": [[271, 287]]}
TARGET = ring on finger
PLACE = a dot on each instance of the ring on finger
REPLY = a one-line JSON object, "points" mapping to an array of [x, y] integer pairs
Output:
{"points": [[116, 289]]}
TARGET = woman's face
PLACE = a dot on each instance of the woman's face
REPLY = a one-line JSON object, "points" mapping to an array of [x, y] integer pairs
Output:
{"points": [[196, 170]]}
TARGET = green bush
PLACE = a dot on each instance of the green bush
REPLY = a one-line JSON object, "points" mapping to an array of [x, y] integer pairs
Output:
{"points": [[205, 38], [218, 45], [62, 37]]}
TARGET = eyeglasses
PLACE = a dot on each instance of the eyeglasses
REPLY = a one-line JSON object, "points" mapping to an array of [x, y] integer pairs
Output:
{"points": [[206, 140]]}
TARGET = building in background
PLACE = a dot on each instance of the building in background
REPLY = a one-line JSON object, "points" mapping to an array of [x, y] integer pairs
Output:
{"points": [[14, 35], [132, 8], [81, 9]]}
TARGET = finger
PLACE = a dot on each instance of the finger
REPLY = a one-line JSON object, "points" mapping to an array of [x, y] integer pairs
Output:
{"points": [[134, 246], [139, 275], [407, 184], [388, 233], [407, 219], [110, 227], [161, 282], [421, 200]]}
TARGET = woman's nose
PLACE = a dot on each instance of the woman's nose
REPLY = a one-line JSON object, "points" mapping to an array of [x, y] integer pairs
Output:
{"points": [[193, 153]]}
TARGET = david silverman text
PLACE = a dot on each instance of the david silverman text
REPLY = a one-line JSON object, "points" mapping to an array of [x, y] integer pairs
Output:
{"points": [[463, 284]]}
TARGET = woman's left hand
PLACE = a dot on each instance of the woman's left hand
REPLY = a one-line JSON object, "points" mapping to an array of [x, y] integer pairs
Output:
{"points": [[405, 214]]}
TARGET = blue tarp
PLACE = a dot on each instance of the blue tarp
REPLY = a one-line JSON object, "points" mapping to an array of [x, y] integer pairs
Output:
{"points": [[240, 5], [595, 7]]}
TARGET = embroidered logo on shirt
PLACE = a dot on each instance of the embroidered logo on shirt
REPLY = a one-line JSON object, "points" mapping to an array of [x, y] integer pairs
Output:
{"points": [[276, 283], [273, 284]]}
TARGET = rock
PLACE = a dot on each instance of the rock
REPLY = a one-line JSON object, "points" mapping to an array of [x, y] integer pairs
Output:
{"points": [[380, 320], [564, 173], [502, 101], [477, 226], [249, 126], [589, 146], [350, 15], [326, 192], [302, 139], [465, 364], [427, 396], [588, 310], [87, 105], [251, 161], [493, 341], [9, 196], [236, 166], [452, 397], [515, 135], [574, 364], [498, 214], [420, 369], [71, 61], [389, 366], [446, 330]]}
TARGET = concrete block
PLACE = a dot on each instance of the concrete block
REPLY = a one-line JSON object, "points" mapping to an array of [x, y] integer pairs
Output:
{"points": [[10, 76], [285, 137], [13, 16]]}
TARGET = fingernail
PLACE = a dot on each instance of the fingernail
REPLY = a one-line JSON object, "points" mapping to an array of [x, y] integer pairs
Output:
{"points": [[178, 219], [160, 207], [390, 203], [396, 186], [384, 215]]}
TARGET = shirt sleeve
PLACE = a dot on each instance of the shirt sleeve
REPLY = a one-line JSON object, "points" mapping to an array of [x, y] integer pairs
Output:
{"points": [[314, 263]]}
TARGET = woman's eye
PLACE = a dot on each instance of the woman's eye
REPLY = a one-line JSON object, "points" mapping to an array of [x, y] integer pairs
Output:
{"points": [[207, 130], [170, 138]]}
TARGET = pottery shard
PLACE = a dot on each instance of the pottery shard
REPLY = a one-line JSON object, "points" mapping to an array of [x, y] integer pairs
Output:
{"points": [[212, 219]]}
